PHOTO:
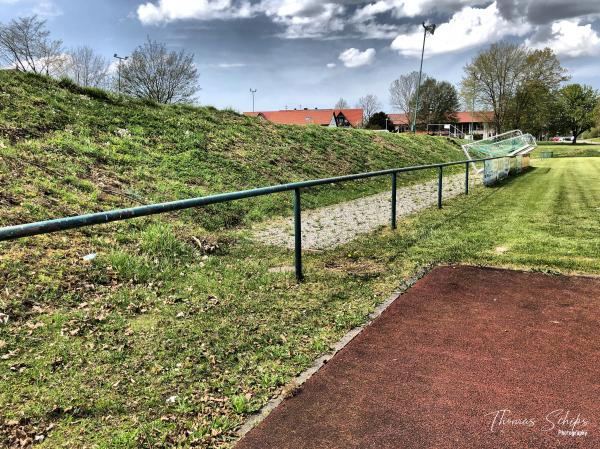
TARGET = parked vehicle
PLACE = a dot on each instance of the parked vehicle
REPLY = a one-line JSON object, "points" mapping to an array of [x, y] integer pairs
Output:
{"points": [[562, 139]]}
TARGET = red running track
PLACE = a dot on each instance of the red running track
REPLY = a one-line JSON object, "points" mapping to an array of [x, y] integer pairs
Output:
{"points": [[467, 358]]}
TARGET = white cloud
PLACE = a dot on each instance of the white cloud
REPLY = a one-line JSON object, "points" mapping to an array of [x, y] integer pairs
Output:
{"points": [[468, 28], [569, 38], [300, 18], [229, 65], [412, 8], [305, 18], [472, 23], [353, 57], [170, 10], [43, 8], [331, 65], [372, 9], [47, 8], [374, 30]]}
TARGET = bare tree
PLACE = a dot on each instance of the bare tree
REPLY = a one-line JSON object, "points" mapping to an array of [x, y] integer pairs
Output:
{"points": [[86, 67], [342, 104], [403, 91], [25, 45], [495, 74], [370, 105], [154, 73]]}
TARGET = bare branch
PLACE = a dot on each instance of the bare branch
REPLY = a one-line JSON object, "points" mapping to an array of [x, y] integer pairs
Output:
{"points": [[369, 104], [86, 68], [25, 45], [403, 91], [154, 73]]}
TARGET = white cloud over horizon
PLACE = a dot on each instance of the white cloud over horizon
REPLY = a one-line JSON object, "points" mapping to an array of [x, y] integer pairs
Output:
{"points": [[463, 25], [569, 38], [44, 8], [228, 65], [468, 28], [290, 49], [171, 10], [353, 57]]}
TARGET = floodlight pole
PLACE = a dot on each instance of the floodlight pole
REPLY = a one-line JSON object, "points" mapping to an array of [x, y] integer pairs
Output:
{"points": [[121, 59], [426, 29], [253, 91]]}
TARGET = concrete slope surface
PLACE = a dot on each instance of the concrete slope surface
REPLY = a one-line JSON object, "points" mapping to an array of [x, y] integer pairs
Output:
{"points": [[328, 227]]}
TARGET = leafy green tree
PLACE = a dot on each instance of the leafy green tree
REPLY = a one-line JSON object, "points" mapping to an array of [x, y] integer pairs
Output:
{"points": [[438, 102], [531, 106], [575, 110], [379, 120], [515, 83]]}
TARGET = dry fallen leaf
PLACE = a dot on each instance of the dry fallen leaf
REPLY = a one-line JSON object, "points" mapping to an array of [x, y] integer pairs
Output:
{"points": [[9, 354]]}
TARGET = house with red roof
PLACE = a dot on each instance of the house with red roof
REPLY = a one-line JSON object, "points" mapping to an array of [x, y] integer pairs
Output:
{"points": [[476, 124], [333, 118]]}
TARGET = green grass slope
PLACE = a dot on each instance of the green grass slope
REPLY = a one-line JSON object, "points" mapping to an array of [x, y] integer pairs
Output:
{"points": [[79, 150]]}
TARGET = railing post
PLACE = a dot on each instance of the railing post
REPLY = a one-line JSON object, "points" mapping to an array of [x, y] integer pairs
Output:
{"points": [[440, 186], [394, 189], [467, 179], [298, 235]]}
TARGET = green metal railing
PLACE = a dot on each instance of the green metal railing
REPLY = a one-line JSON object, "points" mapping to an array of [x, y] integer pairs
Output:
{"points": [[80, 221]]}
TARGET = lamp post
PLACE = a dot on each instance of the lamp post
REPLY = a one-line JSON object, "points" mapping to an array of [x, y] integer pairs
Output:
{"points": [[426, 29], [386, 123], [253, 91], [429, 118], [121, 59]]}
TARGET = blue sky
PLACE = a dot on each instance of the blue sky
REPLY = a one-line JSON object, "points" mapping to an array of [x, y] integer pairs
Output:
{"points": [[311, 52]]}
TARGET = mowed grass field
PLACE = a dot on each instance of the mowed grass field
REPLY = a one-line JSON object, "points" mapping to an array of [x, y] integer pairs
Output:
{"points": [[173, 348], [545, 220], [565, 149]]}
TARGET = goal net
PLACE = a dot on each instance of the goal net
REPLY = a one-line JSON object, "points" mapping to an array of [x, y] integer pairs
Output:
{"points": [[505, 146]]}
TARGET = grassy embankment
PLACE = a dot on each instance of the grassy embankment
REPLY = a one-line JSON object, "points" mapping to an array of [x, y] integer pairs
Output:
{"points": [[176, 332], [101, 151]]}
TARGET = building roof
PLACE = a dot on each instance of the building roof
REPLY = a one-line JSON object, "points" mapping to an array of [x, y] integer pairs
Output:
{"points": [[461, 117], [399, 119], [309, 116], [477, 116]]}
